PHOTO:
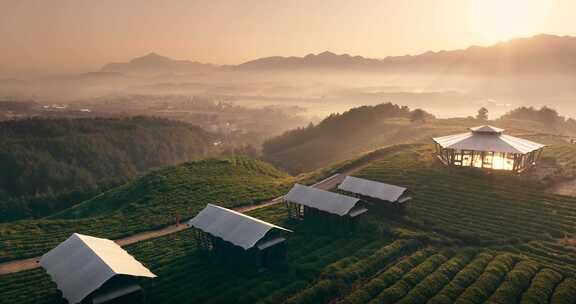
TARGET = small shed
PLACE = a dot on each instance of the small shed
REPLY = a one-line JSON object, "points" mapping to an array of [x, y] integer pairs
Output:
{"points": [[488, 147], [87, 269], [381, 194], [322, 206], [236, 237]]}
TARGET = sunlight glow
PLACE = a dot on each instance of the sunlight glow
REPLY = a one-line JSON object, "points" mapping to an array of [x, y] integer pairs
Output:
{"points": [[502, 163], [499, 20], [498, 161]]}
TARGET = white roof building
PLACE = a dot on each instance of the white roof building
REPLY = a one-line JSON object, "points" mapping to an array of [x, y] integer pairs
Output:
{"points": [[488, 138], [322, 200], [82, 264], [235, 227], [377, 190], [488, 147]]}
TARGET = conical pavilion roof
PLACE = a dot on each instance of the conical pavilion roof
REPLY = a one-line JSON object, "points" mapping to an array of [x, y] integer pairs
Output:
{"points": [[487, 129], [489, 139]]}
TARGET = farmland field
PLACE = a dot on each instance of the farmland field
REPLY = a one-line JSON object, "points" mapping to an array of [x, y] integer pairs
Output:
{"points": [[469, 237], [149, 202], [321, 268], [512, 213]]}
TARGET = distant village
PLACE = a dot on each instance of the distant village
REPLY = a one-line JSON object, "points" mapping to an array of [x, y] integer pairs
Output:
{"points": [[215, 115]]}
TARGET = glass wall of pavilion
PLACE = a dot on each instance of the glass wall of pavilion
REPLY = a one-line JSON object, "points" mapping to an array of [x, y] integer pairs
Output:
{"points": [[516, 162]]}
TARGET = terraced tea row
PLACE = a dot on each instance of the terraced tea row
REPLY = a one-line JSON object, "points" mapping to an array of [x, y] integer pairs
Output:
{"points": [[356, 268], [186, 276], [147, 203], [464, 276], [483, 208], [382, 262]]}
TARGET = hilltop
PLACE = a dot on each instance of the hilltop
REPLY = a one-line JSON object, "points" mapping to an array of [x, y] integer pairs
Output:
{"points": [[154, 63], [165, 186], [343, 136], [148, 202]]}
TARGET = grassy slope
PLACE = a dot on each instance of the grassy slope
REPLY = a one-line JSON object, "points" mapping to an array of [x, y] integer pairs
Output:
{"points": [[148, 202], [509, 212], [506, 246], [321, 151], [367, 266]]}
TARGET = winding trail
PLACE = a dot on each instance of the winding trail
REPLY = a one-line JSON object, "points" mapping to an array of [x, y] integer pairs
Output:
{"points": [[31, 263]]}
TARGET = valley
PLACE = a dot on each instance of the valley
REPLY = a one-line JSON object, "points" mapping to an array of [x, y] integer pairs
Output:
{"points": [[296, 152]]}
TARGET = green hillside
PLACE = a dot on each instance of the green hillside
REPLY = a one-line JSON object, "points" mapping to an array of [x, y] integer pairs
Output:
{"points": [[339, 136], [48, 164], [513, 213], [148, 202], [394, 264], [469, 236], [343, 136]]}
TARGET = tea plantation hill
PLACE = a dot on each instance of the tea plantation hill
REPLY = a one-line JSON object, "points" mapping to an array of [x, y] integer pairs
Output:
{"points": [[343, 136], [469, 237], [149, 202]]}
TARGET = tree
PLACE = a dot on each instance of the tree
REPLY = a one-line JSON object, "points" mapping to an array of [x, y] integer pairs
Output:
{"points": [[418, 115], [549, 116], [482, 114]]}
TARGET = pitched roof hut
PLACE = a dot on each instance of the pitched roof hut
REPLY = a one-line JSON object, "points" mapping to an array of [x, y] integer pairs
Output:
{"points": [[371, 190], [230, 233], [94, 270], [303, 202], [487, 147]]}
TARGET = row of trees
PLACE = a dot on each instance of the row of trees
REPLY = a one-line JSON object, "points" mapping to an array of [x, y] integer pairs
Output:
{"points": [[544, 115], [548, 118]]}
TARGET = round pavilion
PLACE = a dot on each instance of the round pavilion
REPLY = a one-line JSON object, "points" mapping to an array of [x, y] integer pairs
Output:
{"points": [[487, 147]]}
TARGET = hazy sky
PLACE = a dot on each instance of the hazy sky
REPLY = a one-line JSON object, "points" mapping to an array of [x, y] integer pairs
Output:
{"points": [[57, 36]]}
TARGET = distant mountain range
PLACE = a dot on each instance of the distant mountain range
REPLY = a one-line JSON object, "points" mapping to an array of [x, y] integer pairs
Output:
{"points": [[154, 63], [538, 54], [325, 60]]}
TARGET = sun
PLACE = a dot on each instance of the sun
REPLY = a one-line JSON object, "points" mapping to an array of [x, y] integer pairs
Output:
{"points": [[498, 20]]}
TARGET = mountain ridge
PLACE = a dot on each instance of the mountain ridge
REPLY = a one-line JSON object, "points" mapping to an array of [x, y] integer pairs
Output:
{"points": [[154, 63], [538, 54], [542, 53]]}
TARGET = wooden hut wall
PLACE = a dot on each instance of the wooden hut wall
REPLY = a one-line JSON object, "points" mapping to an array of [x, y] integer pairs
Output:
{"points": [[116, 283], [227, 253], [274, 254], [327, 221], [295, 211], [319, 218], [374, 203], [203, 240]]}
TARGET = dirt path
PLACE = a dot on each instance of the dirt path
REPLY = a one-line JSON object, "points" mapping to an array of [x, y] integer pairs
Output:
{"points": [[324, 184], [31, 263]]}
